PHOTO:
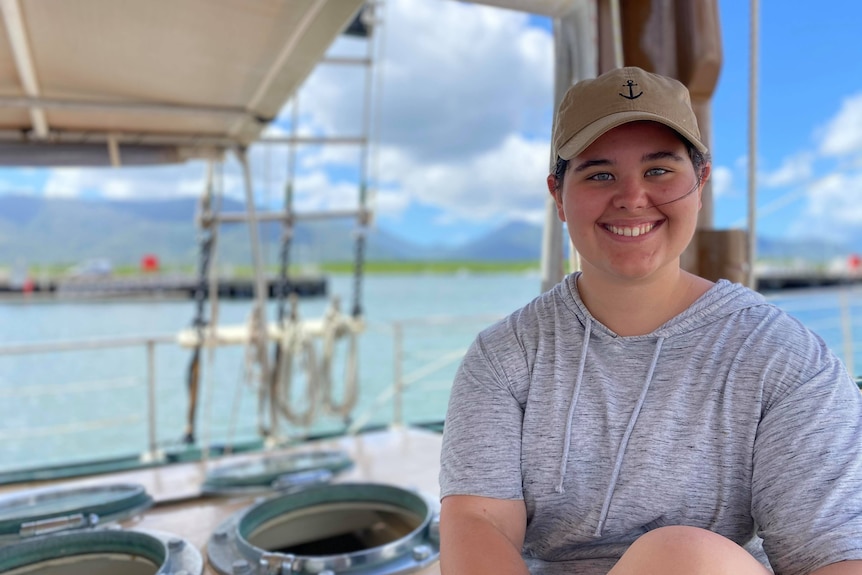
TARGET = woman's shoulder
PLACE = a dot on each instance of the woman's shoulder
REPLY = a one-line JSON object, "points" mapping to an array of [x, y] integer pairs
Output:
{"points": [[547, 313]]}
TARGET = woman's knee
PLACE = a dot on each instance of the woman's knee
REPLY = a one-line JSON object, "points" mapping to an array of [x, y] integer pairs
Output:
{"points": [[690, 550]]}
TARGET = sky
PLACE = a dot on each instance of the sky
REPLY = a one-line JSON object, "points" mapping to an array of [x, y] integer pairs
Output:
{"points": [[462, 120]]}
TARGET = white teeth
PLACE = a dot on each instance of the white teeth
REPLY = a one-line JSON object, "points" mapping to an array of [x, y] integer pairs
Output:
{"points": [[631, 232]]}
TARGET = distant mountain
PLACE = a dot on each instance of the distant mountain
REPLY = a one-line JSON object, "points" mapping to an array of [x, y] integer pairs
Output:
{"points": [[512, 241], [36, 230]]}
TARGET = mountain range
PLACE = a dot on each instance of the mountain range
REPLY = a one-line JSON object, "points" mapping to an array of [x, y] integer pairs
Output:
{"points": [[64, 231]]}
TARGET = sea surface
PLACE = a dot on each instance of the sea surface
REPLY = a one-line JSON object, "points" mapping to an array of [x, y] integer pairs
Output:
{"points": [[70, 406]]}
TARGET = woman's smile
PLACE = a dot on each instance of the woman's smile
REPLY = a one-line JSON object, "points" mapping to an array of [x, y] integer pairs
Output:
{"points": [[631, 231]]}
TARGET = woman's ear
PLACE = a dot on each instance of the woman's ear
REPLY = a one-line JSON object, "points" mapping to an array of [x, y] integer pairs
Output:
{"points": [[705, 171], [556, 193]]}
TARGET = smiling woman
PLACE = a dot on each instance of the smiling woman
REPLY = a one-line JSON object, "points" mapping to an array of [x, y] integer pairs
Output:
{"points": [[633, 377], [627, 171], [629, 203]]}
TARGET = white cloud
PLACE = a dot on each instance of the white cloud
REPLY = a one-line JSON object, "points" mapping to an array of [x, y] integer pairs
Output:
{"points": [[816, 191], [317, 191], [65, 183], [843, 134], [829, 199], [794, 170], [462, 84], [457, 80], [127, 183], [722, 181], [831, 209], [390, 202], [507, 182], [829, 190]]}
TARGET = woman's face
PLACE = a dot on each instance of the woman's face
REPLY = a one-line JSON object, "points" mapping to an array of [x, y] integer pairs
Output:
{"points": [[630, 201]]}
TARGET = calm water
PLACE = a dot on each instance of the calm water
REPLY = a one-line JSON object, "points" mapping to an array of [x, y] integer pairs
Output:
{"points": [[70, 406]]}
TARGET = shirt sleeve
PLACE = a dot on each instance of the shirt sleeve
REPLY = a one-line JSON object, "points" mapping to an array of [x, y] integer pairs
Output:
{"points": [[481, 452], [807, 461]]}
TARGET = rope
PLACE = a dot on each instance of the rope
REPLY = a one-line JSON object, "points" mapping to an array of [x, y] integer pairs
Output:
{"points": [[254, 372], [295, 345], [336, 327]]}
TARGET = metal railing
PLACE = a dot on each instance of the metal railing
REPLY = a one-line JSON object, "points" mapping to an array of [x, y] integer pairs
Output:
{"points": [[424, 354], [402, 382], [421, 349], [148, 342]]}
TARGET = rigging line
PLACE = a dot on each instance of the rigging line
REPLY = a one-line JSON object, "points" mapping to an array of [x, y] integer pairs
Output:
{"points": [[775, 205], [259, 334], [206, 224], [288, 222], [233, 420], [216, 199], [279, 358], [377, 107], [364, 215]]}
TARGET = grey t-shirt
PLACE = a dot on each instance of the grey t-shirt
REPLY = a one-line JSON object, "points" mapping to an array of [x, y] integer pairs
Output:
{"points": [[732, 417]]}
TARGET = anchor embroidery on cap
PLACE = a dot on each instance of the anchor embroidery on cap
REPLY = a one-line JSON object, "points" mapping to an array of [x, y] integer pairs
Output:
{"points": [[632, 95]]}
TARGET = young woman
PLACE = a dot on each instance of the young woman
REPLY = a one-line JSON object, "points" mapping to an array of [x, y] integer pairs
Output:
{"points": [[638, 418]]}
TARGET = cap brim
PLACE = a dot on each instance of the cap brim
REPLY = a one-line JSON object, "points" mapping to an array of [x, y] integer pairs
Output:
{"points": [[594, 131]]}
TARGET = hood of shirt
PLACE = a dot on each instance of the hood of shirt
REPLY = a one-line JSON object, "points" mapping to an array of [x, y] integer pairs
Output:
{"points": [[724, 298]]}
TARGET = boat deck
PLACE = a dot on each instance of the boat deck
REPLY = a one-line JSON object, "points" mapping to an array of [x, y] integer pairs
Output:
{"points": [[405, 457]]}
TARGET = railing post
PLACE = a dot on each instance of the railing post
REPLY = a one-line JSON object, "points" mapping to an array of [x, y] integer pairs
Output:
{"points": [[151, 397], [397, 373]]}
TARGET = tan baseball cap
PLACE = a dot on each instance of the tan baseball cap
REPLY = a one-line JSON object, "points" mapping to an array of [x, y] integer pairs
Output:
{"points": [[593, 106]]}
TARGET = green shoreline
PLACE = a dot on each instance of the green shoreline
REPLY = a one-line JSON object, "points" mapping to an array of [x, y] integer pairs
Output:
{"points": [[434, 267], [442, 267]]}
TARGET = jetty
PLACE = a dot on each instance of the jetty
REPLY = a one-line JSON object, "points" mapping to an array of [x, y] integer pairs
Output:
{"points": [[785, 280], [156, 286]]}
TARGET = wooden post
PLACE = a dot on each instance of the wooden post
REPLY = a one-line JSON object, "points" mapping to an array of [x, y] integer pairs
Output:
{"points": [[722, 254]]}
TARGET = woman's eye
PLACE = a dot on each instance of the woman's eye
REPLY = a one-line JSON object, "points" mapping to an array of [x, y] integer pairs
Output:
{"points": [[656, 172], [601, 177]]}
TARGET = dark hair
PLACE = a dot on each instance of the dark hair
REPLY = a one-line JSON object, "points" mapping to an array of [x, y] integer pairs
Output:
{"points": [[698, 159]]}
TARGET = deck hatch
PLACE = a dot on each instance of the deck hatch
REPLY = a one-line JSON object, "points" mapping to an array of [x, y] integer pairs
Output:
{"points": [[355, 528], [280, 472], [101, 552], [41, 511]]}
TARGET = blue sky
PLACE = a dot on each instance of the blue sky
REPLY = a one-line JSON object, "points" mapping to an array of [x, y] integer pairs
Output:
{"points": [[464, 118], [809, 119]]}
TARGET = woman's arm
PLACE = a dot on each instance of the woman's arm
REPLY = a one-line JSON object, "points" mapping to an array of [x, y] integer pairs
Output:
{"points": [[840, 568], [481, 535]]}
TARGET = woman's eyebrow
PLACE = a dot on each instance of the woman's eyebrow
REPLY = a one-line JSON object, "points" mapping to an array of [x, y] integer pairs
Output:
{"points": [[590, 163], [663, 155]]}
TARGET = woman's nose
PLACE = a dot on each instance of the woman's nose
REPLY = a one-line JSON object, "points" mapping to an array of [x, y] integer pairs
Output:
{"points": [[631, 194]]}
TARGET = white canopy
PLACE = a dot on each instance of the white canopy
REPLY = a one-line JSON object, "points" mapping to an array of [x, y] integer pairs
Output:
{"points": [[94, 82]]}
